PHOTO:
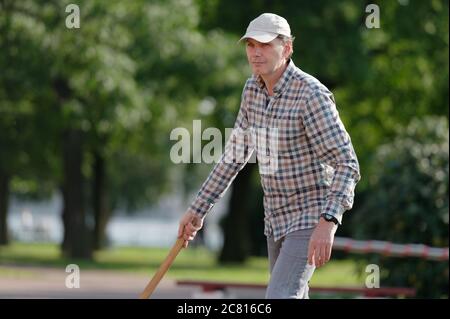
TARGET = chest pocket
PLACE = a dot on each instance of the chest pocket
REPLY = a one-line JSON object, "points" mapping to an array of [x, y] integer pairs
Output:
{"points": [[290, 129]]}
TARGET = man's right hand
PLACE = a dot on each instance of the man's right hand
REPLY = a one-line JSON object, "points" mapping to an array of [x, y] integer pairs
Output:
{"points": [[190, 224]]}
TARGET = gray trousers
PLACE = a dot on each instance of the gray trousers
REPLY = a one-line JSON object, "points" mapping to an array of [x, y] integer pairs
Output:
{"points": [[289, 269]]}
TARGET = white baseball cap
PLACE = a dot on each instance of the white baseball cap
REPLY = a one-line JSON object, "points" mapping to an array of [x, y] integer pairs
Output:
{"points": [[267, 27]]}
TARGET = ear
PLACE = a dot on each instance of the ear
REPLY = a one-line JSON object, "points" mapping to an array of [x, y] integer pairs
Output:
{"points": [[287, 48]]}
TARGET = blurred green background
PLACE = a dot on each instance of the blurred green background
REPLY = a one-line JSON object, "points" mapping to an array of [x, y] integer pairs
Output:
{"points": [[87, 113]]}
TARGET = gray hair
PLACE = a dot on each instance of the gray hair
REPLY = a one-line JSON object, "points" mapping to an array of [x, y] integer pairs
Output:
{"points": [[285, 39]]}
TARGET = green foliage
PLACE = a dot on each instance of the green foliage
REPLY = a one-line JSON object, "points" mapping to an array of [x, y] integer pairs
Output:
{"points": [[129, 75], [142, 184], [405, 78], [407, 202]]}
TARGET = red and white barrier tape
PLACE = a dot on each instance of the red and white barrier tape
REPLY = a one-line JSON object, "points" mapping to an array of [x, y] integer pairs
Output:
{"points": [[390, 249]]}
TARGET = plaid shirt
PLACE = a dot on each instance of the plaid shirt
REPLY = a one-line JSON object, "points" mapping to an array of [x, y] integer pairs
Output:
{"points": [[314, 165]]}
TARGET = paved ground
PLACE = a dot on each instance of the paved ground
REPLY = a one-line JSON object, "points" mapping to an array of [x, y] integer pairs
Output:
{"points": [[36, 282]]}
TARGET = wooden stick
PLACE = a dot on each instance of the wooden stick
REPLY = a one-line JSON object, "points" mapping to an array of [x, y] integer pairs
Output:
{"points": [[162, 269]]}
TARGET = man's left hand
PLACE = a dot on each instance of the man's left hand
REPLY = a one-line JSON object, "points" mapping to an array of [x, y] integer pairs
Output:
{"points": [[321, 243]]}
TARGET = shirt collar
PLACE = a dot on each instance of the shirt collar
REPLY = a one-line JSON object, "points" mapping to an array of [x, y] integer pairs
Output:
{"points": [[282, 81]]}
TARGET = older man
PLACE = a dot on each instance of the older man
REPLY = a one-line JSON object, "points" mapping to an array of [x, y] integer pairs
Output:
{"points": [[313, 181]]}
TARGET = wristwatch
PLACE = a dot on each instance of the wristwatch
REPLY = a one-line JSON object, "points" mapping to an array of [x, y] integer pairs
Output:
{"points": [[329, 218]]}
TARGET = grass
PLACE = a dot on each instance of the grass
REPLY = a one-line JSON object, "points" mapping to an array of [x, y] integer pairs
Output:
{"points": [[192, 263]]}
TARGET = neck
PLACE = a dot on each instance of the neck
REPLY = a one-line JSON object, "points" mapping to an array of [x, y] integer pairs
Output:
{"points": [[270, 80]]}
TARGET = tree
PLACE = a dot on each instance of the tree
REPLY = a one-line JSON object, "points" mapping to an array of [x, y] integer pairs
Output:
{"points": [[25, 150], [85, 87], [114, 89], [408, 203]]}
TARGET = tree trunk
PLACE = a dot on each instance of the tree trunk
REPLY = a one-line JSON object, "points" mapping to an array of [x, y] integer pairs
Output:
{"points": [[236, 246], [4, 203], [100, 201], [77, 243]]}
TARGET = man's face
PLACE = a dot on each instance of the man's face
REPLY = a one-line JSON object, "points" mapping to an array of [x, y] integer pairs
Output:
{"points": [[266, 58]]}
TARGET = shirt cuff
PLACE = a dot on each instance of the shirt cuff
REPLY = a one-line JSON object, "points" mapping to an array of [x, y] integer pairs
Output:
{"points": [[335, 209], [200, 207]]}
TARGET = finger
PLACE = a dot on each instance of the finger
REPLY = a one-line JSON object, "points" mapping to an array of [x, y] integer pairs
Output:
{"points": [[182, 226], [197, 223], [191, 231], [196, 227], [323, 254], [318, 257], [328, 252], [191, 228], [185, 244], [191, 237]]}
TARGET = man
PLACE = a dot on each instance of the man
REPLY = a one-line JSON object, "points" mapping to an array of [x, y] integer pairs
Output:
{"points": [[312, 171]]}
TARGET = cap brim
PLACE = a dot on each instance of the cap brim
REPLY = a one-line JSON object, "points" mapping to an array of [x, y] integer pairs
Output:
{"points": [[259, 36]]}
